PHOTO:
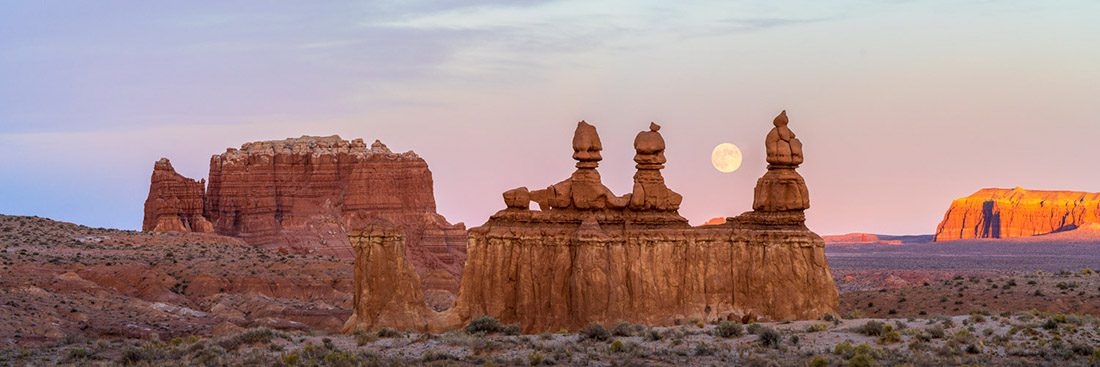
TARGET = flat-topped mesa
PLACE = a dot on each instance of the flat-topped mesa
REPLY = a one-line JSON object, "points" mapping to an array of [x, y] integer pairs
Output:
{"points": [[781, 195], [1008, 213], [174, 203], [592, 257], [304, 195]]}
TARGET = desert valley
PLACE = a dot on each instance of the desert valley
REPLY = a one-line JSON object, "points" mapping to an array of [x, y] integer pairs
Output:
{"points": [[838, 183], [323, 251]]}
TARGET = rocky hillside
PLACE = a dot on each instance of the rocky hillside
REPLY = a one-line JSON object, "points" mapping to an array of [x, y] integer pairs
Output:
{"points": [[61, 280], [302, 195], [1004, 213]]}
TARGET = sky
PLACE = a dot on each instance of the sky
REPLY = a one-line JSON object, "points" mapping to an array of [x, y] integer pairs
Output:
{"points": [[902, 105]]}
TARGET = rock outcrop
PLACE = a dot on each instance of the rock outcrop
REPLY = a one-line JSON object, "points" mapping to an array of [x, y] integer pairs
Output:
{"points": [[301, 195], [1004, 213], [175, 202], [589, 256]]}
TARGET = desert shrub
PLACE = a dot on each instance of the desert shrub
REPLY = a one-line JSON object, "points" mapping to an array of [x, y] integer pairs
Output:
{"points": [[616, 346], [433, 356], [137, 355], [844, 349], [483, 324], [728, 329], [890, 337], [653, 335], [77, 354], [1050, 324], [389, 333], [248, 337], [861, 360], [1081, 350], [872, 328], [702, 349], [595, 332], [817, 327], [362, 338], [535, 358], [623, 329], [754, 328], [818, 361], [770, 337], [510, 329]]}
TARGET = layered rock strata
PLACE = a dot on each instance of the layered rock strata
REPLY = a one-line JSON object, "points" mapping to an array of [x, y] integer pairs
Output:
{"points": [[1008, 213], [590, 256], [301, 195], [175, 202]]}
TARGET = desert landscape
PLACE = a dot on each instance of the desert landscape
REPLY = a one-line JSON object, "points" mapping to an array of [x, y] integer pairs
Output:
{"points": [[549, 183]]}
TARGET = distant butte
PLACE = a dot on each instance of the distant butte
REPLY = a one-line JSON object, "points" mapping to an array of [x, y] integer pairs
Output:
{"points": [[1011, 213]]}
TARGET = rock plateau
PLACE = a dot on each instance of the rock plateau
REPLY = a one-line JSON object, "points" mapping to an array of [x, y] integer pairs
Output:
{"points": [[1008, 213], [300, 195]]}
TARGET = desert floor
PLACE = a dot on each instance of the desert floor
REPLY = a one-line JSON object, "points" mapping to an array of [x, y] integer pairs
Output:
{"points": [[85, 296]]}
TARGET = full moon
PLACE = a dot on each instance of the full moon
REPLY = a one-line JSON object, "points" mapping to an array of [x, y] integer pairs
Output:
{"points": [[726, 158]]}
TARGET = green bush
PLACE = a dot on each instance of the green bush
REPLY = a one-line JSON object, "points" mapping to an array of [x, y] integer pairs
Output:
{"points": [[872, 328], [817, 327], [483, 324], [535, 358], [818, 361], [844, 349], [770, 337], [616, 346], [728, 329], [890, 337], [754, 328], [861, 360]]}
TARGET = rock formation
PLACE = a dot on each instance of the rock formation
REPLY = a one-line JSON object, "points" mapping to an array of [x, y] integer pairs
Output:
{"points": [[590, 256], [1004, 213], [175, 202], [782, 188], [301, 195]]}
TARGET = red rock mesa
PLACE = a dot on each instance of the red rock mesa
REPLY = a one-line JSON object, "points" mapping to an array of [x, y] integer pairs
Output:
{"points": [[302, 194], [590, 256], [1004, 213]]}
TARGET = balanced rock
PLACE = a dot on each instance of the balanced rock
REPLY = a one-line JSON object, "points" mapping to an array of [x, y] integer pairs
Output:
{"points": [[1007, 213], [782, 189], [601, 258]]}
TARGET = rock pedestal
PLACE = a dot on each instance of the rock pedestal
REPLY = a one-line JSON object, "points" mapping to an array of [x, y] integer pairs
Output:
{"points": [[592, 257], [782, 189]]}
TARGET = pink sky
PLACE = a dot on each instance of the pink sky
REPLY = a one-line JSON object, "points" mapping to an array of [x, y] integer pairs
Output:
{"points": [[902, 106]]}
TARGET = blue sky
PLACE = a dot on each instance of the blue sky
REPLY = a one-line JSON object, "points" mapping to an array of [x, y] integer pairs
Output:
{"points": [[903, 105]]}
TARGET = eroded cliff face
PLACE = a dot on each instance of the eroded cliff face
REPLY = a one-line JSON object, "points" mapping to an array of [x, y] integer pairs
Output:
{"points": [[1007, 213], [590, 256], [175, 202], [545, 273], [302, 194]]}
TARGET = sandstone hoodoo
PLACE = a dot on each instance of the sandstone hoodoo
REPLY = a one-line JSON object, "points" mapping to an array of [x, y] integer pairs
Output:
{"points": [[303, 194], [1008, 213], [589, 256]]}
